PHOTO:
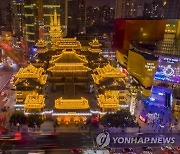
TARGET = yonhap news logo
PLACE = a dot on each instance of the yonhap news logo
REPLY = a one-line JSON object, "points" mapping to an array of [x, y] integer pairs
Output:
{"points": [[105, 139]]}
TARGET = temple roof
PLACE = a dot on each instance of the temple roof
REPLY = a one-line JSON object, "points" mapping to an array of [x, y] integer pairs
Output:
{"points": [[72, 104], [41, 43], [108, 102], [34, 101], [95, 43], [113, 84], [26, 82], [68, 57], [42, 46], [108, 71], [69, 68], [31, 72], [95, 46]]}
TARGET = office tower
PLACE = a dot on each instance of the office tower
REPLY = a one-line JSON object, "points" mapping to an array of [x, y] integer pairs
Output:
{"points": [[37, 18], [154, 9], [76, 17], [100, 16], [125, 9], [17, 17], [5, 12], [172, 9]]}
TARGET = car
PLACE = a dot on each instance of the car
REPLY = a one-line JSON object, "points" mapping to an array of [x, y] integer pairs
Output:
{"points": [[36, 152], [177, 148], [3, 93], [128, 151], [12, 79], [147, 150], [168, 150], [49, 146], [5, 99], [76, 150]]}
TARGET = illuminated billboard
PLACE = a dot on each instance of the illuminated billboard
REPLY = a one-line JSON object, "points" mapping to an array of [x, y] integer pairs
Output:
{"points": [[168, 69], [142, 66]]}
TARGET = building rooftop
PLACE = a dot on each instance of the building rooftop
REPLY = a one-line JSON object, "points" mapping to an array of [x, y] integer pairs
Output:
{"points": [[72, 104], [34, 101]]}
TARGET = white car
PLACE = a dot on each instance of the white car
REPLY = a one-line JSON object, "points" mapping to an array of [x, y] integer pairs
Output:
{"points": [[2, 93]]}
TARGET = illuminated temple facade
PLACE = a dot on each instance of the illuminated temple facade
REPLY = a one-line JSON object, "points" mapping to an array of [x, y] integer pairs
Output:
{"points": [[110, 82], [68, 71], [71, 110], [34, 102], [29, 79]]}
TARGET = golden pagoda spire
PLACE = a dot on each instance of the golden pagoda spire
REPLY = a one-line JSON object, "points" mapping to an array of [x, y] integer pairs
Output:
{"points": [[55, 18], [51, 20], [55, 30], [59, 21], [95, 46]]}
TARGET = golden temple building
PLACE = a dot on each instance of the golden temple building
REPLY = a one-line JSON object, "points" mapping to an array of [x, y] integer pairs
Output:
{"points": [[56, 36], [107, 71], [108, 102], [34, 102], [41, 47], [29, 79], [110, 82], [55, 29], [68, 64], [95, 46], [71, 110]]}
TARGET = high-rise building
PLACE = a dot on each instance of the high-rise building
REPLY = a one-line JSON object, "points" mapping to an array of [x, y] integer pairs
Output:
{"points": [[17, 17], [99, 16], [125, 9], [172, 9], [76, 17], [38, 15], [154, 9], [147, 9], [5, 13]]}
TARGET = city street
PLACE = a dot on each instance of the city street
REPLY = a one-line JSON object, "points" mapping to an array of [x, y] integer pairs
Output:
{"points": [[63, 142]]}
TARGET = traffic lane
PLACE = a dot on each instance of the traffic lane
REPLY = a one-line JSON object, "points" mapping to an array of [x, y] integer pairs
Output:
{"points": [[4, 79], [156, 150], [52, 151], [63, 140], [10, 52]]}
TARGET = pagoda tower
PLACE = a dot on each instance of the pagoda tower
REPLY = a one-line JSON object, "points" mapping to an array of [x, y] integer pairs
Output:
{"points": [[95, 46], [41, 46], [56, 36], [42, 50], [55, 29]]}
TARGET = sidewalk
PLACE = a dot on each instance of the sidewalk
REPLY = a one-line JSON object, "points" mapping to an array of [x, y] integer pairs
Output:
{"points": [[47, 126]]}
